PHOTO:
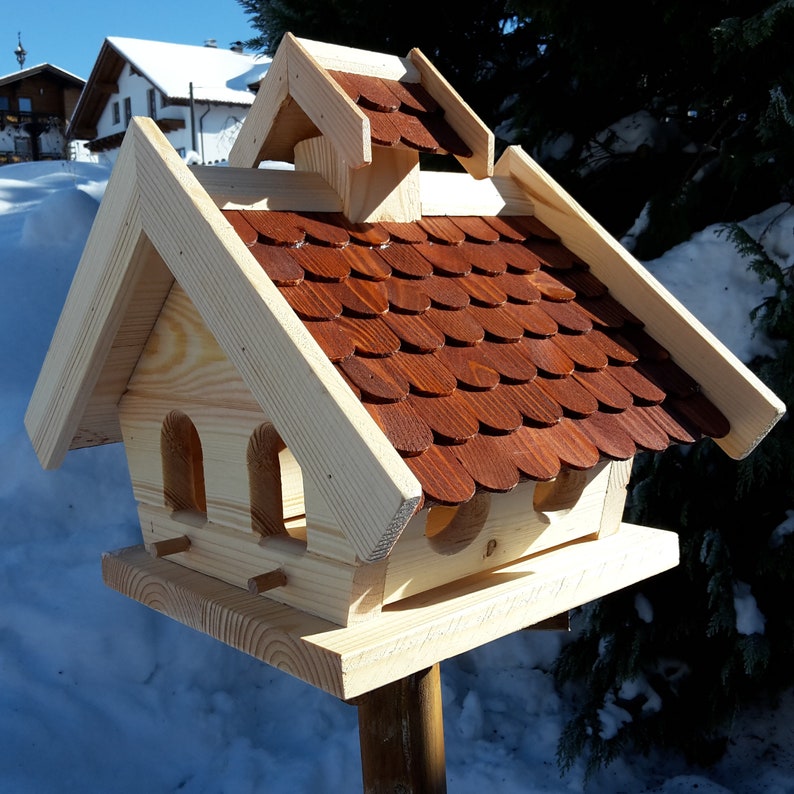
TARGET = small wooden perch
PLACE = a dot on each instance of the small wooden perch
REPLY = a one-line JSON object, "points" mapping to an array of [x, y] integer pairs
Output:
{"points": [[267, 581], [163, 548]]}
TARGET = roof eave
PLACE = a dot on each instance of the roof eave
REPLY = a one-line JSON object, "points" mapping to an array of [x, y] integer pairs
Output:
{"points": [[750, 406]]}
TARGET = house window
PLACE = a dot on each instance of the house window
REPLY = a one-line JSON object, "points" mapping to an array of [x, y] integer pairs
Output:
{"points": [[183, 464], [25, 104], [151, 100], [275, 484], [22, 150], [116, 113], [127, 111], [4, 105]]}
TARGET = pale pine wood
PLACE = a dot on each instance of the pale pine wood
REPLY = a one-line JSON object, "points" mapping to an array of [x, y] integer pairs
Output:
{"points": [[386, 190], [615, 497], [267, 189], [445, 544], [260, 121], [401, 733], [409, 637], [462, 118], [340, 593], [339, 58], [107, 278], [374, 496], [327, 105], [447, 193], [752, 408]]}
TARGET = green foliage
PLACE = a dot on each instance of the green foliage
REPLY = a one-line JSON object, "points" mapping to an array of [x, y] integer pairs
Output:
{"points": [[693, 653]]}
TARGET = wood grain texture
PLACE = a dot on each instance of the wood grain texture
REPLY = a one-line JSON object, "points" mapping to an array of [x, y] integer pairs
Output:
{"points": [[254, 141], [107, 277], [327, 105], [460, 116], [374, 497], [445, 544], [417, 633], [386, 190], [752, 408], [401, 732], [267, 189]]}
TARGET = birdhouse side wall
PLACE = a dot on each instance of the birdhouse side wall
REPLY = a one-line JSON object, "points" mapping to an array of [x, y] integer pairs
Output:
{"points": [[442, 544]]}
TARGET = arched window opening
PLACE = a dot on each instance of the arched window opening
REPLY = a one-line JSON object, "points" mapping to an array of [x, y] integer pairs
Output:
{"points": [[559, 496], [452, 529], [276, 485], [183, 464]]}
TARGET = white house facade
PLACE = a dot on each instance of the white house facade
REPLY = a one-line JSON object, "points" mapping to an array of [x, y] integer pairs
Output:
{"points": [[198, 96]]}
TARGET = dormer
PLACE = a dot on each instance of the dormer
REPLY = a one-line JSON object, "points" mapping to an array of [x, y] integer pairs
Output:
{"points": [[361, 120]]}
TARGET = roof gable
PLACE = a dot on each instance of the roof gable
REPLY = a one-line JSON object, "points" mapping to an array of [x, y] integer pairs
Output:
{"points": [[217, 75], [157, 224], [60, 75]]}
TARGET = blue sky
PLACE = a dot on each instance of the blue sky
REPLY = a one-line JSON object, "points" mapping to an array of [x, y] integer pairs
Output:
{"points": [[69, 35]]}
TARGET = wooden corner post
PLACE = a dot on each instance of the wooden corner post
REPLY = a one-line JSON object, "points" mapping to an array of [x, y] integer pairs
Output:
{"points": [[401, 731]]}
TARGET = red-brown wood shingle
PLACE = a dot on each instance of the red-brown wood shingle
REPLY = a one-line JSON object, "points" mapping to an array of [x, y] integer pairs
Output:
{"points": [[482, 347]]}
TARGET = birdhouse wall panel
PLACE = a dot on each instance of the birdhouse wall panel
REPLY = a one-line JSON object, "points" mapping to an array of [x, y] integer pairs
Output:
{"points": [[443, 544], [343, 594], [223, 437], [324, 536], [386, 190], [181, 356]]}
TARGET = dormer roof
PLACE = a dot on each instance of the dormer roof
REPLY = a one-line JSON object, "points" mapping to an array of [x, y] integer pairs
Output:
{"points": [[358, 99]]}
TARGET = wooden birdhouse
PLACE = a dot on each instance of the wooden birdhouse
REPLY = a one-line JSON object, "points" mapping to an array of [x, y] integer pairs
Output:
{"points": [[374, 415]]}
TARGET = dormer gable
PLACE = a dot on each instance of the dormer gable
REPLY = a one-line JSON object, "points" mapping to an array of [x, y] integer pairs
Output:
{"points": [[361, 120]]}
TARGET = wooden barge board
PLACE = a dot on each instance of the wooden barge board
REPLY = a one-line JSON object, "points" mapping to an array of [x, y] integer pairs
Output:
{"points": [[407, 637]]}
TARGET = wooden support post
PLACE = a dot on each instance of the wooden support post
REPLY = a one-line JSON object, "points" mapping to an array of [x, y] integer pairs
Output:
{"points": [[401, 731], [162, 548]]}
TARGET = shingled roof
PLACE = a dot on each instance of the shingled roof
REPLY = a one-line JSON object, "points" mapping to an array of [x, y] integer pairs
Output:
{"points": [[484, 349]]}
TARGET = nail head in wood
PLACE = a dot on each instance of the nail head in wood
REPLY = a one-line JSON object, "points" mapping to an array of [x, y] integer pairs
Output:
{"points": [[266, 581], [162, 548]]}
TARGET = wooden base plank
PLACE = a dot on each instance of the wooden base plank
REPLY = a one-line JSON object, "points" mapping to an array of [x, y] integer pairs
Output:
{"points": [[408, 636]]}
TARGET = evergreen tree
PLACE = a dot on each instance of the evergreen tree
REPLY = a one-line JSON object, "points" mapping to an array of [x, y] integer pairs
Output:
{"points": [[716, 78]]}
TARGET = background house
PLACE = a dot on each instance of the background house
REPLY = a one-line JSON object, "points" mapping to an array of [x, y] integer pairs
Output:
{"points": [[197, 95], [36, 105]]}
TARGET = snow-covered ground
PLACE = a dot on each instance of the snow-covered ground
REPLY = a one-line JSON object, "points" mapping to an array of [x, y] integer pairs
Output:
{"points": [[99, 694]]}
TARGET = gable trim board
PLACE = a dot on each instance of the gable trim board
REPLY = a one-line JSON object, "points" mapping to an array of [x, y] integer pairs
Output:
{"points": [[750, 406]]}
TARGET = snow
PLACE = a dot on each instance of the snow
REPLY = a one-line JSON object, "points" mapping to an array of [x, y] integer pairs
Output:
{"points": [[217, 75], [100, 694]]}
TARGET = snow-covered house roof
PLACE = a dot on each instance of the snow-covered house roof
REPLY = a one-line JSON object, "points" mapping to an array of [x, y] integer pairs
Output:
{"points": [[55, 71], [216, 75]]}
